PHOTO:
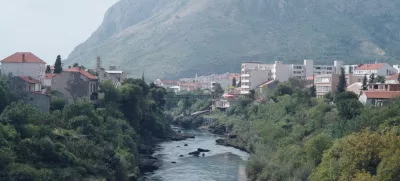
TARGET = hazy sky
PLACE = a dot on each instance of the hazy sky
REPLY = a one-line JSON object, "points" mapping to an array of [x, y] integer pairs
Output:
{"points": [[48, 27]]}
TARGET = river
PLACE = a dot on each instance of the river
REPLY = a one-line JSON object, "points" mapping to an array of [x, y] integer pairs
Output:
{"points": [[220, 164]]}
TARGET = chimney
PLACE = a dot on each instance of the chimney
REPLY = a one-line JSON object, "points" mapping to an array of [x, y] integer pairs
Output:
{"points": [[23, 57], [98, 63]]}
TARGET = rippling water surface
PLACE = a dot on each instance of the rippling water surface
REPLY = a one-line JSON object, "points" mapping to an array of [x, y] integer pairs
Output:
{"points": [[220, 164]]}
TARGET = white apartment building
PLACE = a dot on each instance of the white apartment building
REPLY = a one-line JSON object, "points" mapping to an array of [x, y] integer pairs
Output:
{"points": [[255, 73], [24, 64], [349, 69], [382, 69]]}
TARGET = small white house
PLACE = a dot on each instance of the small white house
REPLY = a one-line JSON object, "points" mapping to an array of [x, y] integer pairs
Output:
{"points": [[24, 64]]}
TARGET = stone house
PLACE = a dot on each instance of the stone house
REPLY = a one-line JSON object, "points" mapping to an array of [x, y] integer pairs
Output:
{"points": [[24, 64], [29, 90], [75, 83]]}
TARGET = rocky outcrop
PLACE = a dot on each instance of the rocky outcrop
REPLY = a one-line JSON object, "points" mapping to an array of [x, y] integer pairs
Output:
{"points": [[177, 38]]}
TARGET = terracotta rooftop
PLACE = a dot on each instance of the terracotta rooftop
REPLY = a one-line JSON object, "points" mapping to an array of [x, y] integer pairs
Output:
{"points": [[382, 94], [50, 76], [370, 66], [29, 79], [86, 74], [23, 57], [393, 77]]}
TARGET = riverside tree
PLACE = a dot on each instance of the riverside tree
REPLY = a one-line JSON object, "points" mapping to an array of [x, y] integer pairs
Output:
{"points": [[58, 65]]}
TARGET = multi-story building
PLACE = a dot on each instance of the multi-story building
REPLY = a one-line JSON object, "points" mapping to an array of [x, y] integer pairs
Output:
{"points": [[379, 69], [325, 83], [112, 74], [253, 74], [264, 72], [24, 64], [349, 69]]}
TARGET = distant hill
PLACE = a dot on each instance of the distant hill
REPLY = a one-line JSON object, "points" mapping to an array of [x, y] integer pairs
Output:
{"points": [[179, 38]]}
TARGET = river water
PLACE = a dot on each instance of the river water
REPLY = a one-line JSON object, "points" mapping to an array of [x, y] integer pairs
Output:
{"points": [[220, 164]]}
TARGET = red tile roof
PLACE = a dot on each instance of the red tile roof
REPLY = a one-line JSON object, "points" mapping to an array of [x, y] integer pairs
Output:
{"points": [[370, 66], [393, 77], [50, 76], [29, 79], [382, 94], [18, 58], [86, 74]]}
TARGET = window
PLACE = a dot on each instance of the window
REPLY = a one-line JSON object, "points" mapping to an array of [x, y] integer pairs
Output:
{"points": [[329, 68]]}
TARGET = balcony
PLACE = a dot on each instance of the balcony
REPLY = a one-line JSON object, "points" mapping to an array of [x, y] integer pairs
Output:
{"points": [[245, 87], [245, 80], [245, 75]]}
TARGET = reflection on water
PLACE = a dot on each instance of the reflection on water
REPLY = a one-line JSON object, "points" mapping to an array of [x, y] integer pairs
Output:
{"points": [[220, 164]]}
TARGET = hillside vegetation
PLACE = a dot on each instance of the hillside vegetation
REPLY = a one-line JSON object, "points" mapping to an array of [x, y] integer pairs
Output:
{"points": [[293, 136], [177, 38], [79, 141]]}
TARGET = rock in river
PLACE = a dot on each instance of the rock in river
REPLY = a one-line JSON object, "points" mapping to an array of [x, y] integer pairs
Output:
{"points": [[202, 150], [195, 153]]}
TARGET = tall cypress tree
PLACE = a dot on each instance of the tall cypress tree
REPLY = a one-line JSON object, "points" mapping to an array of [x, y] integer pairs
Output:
{"points": [[341, 87], [234, 82], [364, 83], [143, 76], [372, 78], [48, 70], [58, 65]]}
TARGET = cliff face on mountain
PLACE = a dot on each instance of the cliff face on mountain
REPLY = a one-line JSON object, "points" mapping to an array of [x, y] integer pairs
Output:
{"points": [[179, 38]]}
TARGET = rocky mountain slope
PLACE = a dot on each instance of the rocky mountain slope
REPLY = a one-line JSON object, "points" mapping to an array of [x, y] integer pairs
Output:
{"points": [[177, 38]]}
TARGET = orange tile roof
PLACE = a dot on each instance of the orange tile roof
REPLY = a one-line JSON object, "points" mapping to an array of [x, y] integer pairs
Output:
{"points": [[29, 79], [50, 76], [382, 94], [393, 77], [370, 66], [86, 74], [18, 58]]}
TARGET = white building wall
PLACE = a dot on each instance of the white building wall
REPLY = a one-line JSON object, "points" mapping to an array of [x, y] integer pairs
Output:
{"points": [[397, 67], [35, 70], [386, 70], [281, 72], [309, 64], [47, 82]]}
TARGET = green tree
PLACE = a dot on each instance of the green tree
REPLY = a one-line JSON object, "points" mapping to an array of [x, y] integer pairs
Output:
{"points": [[313, 91], [48, 69], [348, 104], [58, 65], [364, 83], [380, 79], [341, 87], [372, 78], [217, 89], [234, 82], [75, 64]]}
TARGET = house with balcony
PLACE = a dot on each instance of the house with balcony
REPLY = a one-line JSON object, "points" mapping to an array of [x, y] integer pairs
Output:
{"points": [[377, 94], [75, 83], [24, 64], [325, 83], [253, 74], [378, 69]]}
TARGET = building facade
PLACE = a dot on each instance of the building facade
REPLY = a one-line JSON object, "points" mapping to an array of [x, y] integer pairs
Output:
{"points": [[379, 94], [325, 83], [24, 64], [114, 75], [379, 69], [75, 83]]}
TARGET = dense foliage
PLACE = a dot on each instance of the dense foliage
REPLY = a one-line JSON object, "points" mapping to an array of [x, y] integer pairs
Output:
{"points": [[80, 141], [293, 136]]}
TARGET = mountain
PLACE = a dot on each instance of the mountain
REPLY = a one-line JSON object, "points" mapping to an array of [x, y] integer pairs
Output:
{"points": [[179, 38]]}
